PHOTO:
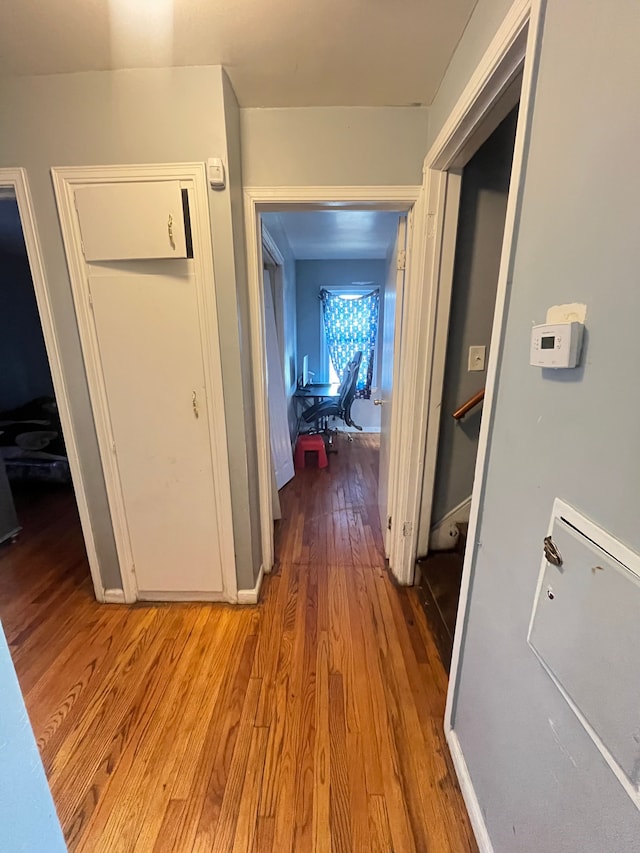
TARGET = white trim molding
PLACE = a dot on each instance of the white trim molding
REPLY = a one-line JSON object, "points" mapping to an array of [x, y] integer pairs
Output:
{"points": [[273, 199], [444, 534], [15, 180], [193, 177], [252, 596], [114, 596], [469, 794]]}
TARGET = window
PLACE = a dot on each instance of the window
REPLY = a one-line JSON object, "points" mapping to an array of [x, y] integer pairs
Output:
{"points": [[349, 324]]}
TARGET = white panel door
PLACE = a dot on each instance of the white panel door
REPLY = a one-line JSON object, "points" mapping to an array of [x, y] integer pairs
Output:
{"points": [[281, 455], [392, 323], [131, 220], [151, 357]]}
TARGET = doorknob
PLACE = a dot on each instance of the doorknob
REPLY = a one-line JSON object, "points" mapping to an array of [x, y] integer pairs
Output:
{"points": [[378, 402]]}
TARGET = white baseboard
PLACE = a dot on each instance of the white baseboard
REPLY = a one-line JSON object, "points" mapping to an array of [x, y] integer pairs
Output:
{"points": [[469, 794], [444, 534], [195, 596], [114, 596], [251, 596]]}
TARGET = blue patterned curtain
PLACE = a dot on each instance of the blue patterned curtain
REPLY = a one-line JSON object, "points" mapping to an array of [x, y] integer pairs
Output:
{"points": [[351, 324]]}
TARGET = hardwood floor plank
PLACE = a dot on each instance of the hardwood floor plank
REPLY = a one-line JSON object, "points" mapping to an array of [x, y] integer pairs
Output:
{"points": [[246, 826], [321, 833], [171, 822], [205, 797], [339, 817], [223, 830], [379, 831]]}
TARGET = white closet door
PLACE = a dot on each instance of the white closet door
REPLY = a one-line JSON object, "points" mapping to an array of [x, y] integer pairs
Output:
{"points": [[150, 352], [281, 455], [132, 220]]}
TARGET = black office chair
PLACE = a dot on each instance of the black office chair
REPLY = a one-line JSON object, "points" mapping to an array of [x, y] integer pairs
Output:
{"points": [[340, 406]]}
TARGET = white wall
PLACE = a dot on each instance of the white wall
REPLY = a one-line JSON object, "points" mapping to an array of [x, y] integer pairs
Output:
{"points": [[324, 146], [540, 781], [143, 116]]}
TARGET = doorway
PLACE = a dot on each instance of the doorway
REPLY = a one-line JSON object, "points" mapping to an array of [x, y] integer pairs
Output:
{"points": [[264, 201], [479, 238], [330, 284], [41, 540]]}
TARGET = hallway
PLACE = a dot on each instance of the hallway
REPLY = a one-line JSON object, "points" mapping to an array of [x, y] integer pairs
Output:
{"points": [[312, 722]]}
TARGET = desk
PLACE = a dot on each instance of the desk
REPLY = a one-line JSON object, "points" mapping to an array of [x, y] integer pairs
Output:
{"points": [[316, 392], [312, 394]]}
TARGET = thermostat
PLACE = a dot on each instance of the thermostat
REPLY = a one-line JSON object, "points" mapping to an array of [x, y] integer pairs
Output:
{"points": [[556, 344]]}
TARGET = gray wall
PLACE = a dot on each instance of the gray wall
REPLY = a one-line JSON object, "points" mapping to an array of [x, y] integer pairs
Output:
{"points": [[24, 366], [28, 820], [541, 783], [231, 286], [142, 116], [483, 205], [321, 146], [483, 24], [311, 277]]}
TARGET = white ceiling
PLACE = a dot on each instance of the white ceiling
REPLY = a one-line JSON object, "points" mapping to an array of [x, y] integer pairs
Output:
{"points": [[335, 234], [277, 52]]}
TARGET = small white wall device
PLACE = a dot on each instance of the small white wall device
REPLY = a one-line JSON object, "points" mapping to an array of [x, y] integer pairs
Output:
{"points": [[215, 171], [556, 344]]}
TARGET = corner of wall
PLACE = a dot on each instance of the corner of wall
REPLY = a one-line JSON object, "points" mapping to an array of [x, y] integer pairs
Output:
{"points": [[249, 565]]}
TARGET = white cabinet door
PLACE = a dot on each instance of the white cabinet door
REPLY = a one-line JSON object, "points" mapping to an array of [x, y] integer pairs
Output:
{"points": [[148, 333], [132, 220]]}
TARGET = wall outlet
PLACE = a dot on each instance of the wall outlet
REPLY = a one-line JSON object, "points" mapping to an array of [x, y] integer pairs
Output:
{"points": [[476, 358]]}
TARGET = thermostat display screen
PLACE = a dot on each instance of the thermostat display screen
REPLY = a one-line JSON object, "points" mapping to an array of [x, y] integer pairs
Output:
{"points": [[547, 343]]}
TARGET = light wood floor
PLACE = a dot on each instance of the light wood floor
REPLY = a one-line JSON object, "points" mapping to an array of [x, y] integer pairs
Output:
{"points": [[312, 722]]}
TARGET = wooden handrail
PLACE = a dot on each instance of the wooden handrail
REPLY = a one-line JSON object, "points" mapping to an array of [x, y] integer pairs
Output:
{"points": [[471, 403]]}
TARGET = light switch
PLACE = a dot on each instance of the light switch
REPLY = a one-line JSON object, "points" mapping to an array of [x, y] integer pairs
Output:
{"points": [[476, 358]]}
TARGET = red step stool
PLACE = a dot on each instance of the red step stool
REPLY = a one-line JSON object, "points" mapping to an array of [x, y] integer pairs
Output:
{"points": [[313, 442]]}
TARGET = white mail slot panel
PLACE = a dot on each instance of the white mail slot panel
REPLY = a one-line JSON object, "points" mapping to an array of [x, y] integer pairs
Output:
{"points": [[585, 629], [136, 220]]}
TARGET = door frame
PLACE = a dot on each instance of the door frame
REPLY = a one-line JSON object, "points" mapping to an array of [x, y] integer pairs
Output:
{"points": [[65, 181], [513, 52], [278, 199], [481, 106], [16, 181]]}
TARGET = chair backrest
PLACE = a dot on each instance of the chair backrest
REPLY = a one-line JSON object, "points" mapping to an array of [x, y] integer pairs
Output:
{"points": [[349, 383]]}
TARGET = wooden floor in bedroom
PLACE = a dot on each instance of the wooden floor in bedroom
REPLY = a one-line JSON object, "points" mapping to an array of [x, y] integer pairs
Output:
{"points": [[312, 722]]}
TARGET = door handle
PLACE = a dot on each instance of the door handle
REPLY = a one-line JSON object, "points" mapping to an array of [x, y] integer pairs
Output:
{"points": [[194, 403], [378, 402], [170, 230]]}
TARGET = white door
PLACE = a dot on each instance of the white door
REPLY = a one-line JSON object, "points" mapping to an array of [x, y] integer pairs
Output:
{"points": [[281, 455], [148, 333], [392, 324]]}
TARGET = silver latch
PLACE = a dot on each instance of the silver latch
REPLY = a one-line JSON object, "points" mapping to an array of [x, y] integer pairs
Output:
{"points": [[551, 553]]}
